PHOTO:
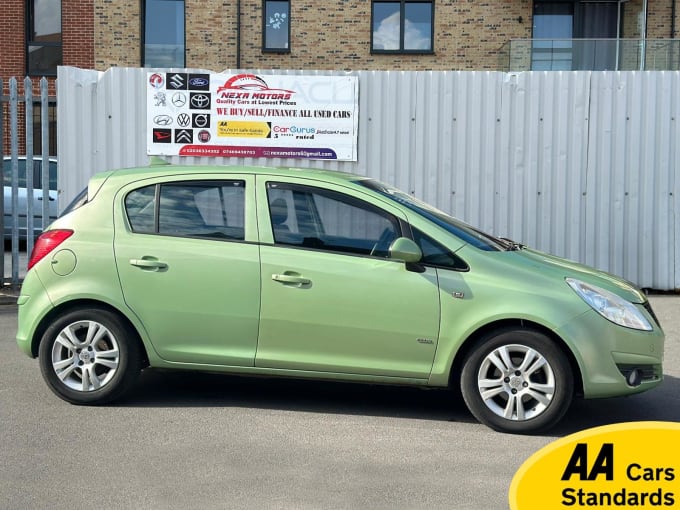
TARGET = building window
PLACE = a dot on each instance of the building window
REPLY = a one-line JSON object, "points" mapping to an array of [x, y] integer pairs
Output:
{"points": [[579, 35], [276, 26], [51, 128], [405, 26], [43, 38], [163, 33]]}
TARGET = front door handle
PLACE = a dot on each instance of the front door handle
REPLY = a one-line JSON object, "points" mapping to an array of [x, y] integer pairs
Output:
{"points": [[291, 279], [149, 264]]}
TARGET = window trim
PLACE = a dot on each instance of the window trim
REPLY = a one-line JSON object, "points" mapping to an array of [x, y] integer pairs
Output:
{"points": [[142, 37], [30, 22], [402, 21], [265, 48]]}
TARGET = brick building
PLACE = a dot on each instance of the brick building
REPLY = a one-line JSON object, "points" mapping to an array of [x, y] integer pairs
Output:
{"points": [[38, 35]]}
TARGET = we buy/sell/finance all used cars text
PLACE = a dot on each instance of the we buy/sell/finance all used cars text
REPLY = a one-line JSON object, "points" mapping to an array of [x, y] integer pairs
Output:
{"points": [[316, 274]]}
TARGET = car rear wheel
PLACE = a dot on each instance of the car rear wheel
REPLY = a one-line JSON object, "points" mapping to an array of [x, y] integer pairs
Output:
{"points": [[517, 381], [89, 356]]}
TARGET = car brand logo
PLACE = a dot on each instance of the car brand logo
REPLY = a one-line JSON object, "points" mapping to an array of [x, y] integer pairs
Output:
{"points": [[183, 120], [184, 135], [179, 100], [199, 82], [201, 120], [200, 101], [162, 120], [156, 80], [177, 81], [159, 99], [162, 135], [204, 136]]}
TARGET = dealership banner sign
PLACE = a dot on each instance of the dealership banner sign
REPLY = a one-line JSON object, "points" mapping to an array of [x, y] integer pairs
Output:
{"points": [[245, 115]]}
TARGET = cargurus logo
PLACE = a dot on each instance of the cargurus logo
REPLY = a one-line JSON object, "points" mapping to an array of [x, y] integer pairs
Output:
{"points": [[302, 130]]}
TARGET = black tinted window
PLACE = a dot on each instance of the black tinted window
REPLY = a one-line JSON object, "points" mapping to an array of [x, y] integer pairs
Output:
{"points": [[322, 219], [436, 254], [214, 209]]}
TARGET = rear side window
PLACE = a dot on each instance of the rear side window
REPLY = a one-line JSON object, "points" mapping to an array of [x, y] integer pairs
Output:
{"points": [[79, 201], [209, 209]]}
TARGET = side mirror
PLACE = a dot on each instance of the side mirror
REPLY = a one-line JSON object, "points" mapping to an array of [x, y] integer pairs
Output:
{"points": [[405, 249]]}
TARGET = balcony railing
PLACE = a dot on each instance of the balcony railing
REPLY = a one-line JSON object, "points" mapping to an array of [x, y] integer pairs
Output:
{"points": [[590, 55]]}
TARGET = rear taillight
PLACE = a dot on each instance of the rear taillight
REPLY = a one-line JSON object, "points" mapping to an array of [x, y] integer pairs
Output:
{"points": [[46, 242]]}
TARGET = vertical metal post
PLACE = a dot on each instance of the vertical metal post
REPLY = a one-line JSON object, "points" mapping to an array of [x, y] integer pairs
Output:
{"points": [[14, 151], [30, 205], [45, 144], [2, 180]]}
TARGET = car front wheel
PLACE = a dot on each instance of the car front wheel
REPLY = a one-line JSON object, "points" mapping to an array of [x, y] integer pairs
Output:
{"points": [[517, 381], [89, 356]]}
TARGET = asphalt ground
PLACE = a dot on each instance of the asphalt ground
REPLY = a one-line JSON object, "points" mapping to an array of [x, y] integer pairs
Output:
{"points": [[199, 441]]}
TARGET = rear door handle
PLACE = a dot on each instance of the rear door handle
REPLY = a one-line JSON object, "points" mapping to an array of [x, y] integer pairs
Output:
{"points": [[150, 264], [291, 279]]}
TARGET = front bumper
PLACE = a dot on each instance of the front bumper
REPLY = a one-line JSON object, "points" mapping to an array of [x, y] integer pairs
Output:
{"points": [[608, 353]]}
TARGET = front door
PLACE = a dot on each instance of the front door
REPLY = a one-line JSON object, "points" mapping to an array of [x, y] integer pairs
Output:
{"points": [[332, 301]]}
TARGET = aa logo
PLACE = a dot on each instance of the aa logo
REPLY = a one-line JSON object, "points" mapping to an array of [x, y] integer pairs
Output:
{"points": [[629, 465]]}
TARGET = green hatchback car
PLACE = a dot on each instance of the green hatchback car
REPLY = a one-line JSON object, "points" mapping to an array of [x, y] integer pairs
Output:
{"points": [[326, 275]]}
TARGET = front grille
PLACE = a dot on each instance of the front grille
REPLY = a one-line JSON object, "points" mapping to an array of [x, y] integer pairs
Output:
{"points": [[648, 307]]}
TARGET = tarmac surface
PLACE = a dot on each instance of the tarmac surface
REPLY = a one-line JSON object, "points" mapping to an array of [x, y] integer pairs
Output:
{"points": [[190, 440]]}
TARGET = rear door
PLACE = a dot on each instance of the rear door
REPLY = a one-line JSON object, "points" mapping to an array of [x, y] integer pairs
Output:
{"points": [[189, 266]]}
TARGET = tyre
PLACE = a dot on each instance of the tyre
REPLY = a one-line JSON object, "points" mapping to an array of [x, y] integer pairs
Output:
{"points": [[89, 356], [517, 381]]}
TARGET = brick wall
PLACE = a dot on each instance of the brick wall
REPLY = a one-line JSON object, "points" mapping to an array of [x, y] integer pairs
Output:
{"points": [[117, 33], [324, 35], [469, 34], [77, 19], [77, 22]]}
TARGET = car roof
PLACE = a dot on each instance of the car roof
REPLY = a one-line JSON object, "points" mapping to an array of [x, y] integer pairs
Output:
{"points": [[165, 169]]}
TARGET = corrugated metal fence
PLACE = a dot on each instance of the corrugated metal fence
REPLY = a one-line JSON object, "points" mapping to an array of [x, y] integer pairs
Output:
{"points": [[25, 176], [579, 164]]}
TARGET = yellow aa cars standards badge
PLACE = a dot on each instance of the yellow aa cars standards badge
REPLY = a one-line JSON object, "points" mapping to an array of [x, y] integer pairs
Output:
{"points": [[628, 465]]}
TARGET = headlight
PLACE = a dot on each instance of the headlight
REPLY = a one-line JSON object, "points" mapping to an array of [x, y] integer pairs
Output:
{"points": [[610, 306]]}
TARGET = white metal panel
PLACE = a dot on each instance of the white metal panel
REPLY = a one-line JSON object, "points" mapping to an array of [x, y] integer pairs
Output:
{"points": [[579, 164]]}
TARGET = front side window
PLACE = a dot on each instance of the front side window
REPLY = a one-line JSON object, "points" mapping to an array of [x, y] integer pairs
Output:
{"points": [[325, 220], [43, 38], [213, 210], [163, 33], [276, 26], [405, 26]]}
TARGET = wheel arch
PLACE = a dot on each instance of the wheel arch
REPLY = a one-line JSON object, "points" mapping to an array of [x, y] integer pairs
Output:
{"points": [[69, 306], [474, 339]]}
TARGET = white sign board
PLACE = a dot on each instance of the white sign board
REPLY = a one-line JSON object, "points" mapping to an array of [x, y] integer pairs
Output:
{"points": [[244, 115]]}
